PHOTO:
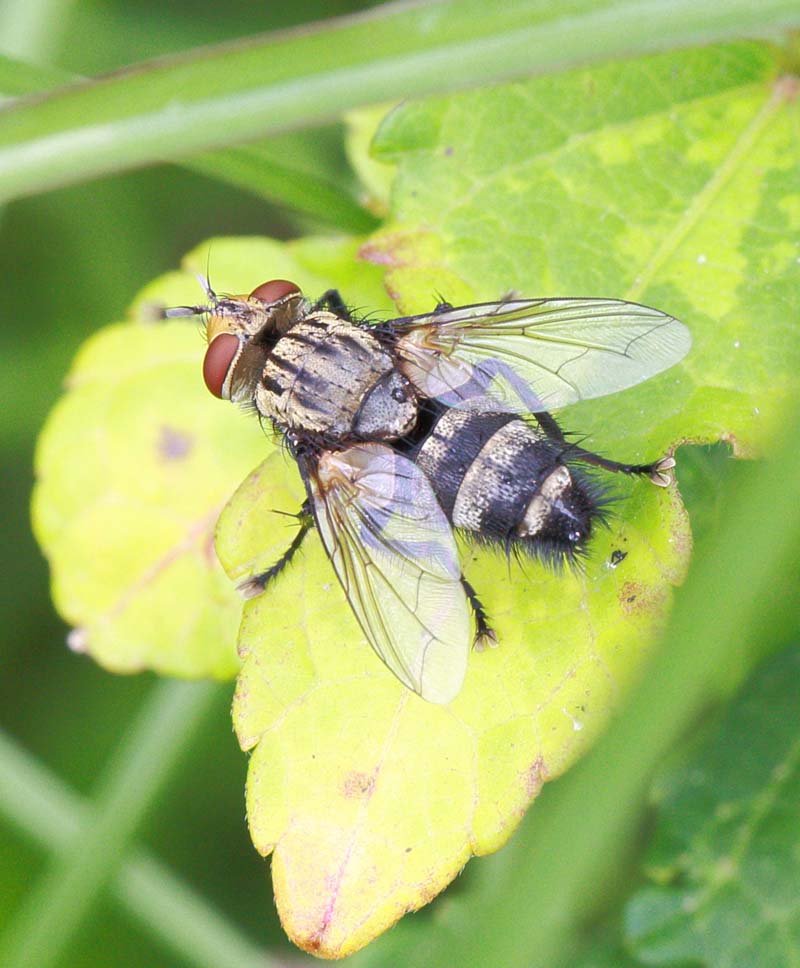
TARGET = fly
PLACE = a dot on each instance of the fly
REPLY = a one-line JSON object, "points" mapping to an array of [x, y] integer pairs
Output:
{"points": [[409, 429]]}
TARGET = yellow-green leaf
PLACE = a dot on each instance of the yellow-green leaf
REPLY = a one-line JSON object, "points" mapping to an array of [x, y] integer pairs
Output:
{"points": [[373, 799], [137, 461]]}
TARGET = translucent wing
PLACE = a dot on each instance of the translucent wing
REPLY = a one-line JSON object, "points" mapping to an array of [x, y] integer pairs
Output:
{"points": [[530, 355], [394, 553]]}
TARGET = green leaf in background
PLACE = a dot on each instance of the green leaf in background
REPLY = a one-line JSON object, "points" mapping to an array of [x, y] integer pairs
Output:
{"points": [[726, 854], [605, 952], [274, 170], [672, 180], [18, 78], [376, 177]]}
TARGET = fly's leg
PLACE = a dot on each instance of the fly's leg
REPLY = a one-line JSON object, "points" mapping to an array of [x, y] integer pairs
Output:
{"points": [[658, 471], [485, 635], [255, 586], [550, 427], [332, 300]]}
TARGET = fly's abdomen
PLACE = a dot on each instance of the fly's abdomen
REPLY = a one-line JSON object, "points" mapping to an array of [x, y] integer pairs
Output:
{"points": [[498, 476]]}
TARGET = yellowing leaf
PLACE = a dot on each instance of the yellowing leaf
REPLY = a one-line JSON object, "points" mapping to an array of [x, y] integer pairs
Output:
{"points": [[130, 482], [136, 463], [373, 799]]}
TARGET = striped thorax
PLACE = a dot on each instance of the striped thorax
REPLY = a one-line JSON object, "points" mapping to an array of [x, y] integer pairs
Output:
{"points": [[329, 376]]}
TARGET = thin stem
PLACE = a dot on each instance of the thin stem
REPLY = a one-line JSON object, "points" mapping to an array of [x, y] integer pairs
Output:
{"points": [[251, 167], [41, 806], [63, 897], [167, 109]]}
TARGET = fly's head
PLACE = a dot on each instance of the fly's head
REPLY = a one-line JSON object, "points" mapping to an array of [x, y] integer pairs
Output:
{"points": [[241, 331]]}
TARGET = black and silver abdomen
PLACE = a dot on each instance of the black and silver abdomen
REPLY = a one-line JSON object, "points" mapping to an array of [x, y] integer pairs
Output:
{"points": [[329, 376], [500, 477]]}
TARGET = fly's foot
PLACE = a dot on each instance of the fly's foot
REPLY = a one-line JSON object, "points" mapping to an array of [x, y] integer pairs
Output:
{"points": [[485, 638], [252, 587], [485, 635], [660, 472]]}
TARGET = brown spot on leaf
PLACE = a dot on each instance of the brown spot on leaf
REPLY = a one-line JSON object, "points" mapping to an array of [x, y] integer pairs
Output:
{"points": [[629, 595], [377, 255], [535, 777], [174, 444], [403, 247], [209, 550], [358, 785], [312, 944], [788, 87], [636, 598]]}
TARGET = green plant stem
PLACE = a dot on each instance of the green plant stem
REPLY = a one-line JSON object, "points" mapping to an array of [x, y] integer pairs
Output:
{"points": [[42, 807], [168, 109], [173, 911], [251, 167], [34, 801], [59, 902], [537, 892]]}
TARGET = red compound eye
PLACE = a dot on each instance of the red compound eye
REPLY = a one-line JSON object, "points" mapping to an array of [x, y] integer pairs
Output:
{"points": [[272, 291], [221, 352]]}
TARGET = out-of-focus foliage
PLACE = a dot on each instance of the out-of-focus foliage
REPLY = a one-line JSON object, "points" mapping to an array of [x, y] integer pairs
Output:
{"points": [[725, 858], [71, 261]]}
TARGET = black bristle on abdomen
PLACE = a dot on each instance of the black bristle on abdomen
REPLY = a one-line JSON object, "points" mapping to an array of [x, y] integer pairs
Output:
{"points": [[553, 545]]}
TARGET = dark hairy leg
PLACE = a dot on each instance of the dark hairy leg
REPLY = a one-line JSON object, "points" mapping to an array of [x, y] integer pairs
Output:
{"points": [[657, 471], [485, 635], [257, 583]]}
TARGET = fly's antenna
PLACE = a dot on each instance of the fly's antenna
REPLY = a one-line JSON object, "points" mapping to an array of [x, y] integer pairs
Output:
{"points": [[182, 311]]}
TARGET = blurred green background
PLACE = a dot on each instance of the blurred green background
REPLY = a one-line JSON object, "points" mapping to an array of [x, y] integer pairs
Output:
{"points": [[72, 260]]}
